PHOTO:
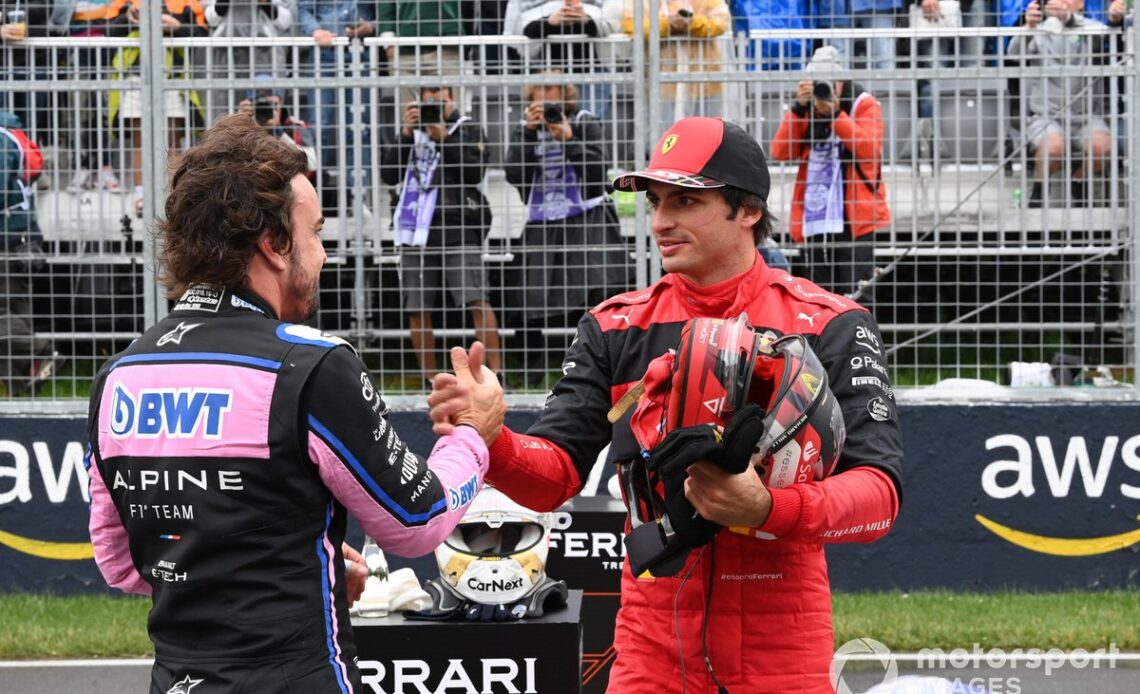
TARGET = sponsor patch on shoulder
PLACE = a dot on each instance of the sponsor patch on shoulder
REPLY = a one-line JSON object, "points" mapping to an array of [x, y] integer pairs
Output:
{"points": [[878, 409]]}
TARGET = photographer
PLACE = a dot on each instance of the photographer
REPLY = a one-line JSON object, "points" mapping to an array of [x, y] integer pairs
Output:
{"points": [[266, 109], [572, 255], [441, 219], [835, 130]]}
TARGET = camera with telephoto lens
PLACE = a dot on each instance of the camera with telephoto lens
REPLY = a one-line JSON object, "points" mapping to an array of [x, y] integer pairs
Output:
{"points": [[552, 113], [431, 112], [264, 109], [822, 91]]}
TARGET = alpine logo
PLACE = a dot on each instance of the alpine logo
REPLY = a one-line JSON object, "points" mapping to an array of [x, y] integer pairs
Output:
{"points": [[173, 412]]}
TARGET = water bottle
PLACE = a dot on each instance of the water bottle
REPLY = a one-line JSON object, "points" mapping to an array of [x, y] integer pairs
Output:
{"points": [[1017, 198]]}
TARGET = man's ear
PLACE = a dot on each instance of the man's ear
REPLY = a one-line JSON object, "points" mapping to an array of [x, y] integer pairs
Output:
{"points": [[275, 258], [748, 216]]}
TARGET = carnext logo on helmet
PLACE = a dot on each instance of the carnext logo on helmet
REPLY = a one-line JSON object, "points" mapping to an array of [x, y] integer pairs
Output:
{"points": [[175, 412], [463, 496], [496, 585]]}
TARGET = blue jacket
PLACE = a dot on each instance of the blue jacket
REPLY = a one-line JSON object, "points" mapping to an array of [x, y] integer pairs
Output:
{"points": [[773, 14]]}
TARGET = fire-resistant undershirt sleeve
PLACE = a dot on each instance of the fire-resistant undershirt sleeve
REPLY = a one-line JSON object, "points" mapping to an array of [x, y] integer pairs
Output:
{"points": [[407, 504]]}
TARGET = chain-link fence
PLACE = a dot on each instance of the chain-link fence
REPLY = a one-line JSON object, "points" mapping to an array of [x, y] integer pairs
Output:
{"points": [[986, 184]]}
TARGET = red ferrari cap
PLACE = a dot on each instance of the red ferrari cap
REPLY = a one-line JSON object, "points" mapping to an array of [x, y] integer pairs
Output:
{"points": [[702, 152]]}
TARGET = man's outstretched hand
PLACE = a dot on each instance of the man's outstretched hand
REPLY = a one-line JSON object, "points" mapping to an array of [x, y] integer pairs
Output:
{"points": [[472, 395]]}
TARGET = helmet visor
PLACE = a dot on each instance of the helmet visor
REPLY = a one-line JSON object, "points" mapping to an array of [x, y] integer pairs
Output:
{"points": [[482, 540], [802, 386]]}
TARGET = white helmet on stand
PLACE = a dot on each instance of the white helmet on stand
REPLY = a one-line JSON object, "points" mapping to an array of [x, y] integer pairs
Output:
{"points": [[497, 553]]}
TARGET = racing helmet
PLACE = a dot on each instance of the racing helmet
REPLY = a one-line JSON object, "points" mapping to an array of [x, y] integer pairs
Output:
{"points": [[719, 366], [497, 554]]}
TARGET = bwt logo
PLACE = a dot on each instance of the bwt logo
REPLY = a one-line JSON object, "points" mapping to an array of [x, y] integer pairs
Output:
{"points": [[463, 496], [175, 412], [415, 676]]}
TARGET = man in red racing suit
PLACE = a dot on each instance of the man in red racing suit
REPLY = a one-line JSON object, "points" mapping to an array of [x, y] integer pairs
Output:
{"points": [[761, 584]]}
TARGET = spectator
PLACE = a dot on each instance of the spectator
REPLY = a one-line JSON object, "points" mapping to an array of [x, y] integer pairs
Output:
{"points": [[20, 20], [958, 51], [861, 14], [276, 433], [83, 19], [1064, 114], [325, 20], [834, 129], [441, 219], [485, 18], [265, 107], [237, 19], [745, 607], [689, 31], [539, 19], [25, 358], [422, 19], [572, 255], [768, 15], [182, 19]]}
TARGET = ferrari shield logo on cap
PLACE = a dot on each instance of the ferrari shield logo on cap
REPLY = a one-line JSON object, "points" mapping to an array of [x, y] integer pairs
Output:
{"points": [[668, 144]]}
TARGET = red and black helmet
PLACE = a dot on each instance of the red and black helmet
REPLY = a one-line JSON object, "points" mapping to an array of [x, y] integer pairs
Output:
{"points": [[722, 364]]}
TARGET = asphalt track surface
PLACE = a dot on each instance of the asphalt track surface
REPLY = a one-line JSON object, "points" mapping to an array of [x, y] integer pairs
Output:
{"points": [[126, 677]]}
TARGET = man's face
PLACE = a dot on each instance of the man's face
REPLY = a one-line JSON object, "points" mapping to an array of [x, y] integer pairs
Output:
{"points": [[442, 96], [695, 236], [307, 256], [549, 95]]}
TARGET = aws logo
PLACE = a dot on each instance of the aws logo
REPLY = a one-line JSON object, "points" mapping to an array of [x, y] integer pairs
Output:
{"points": [[1006, 479], [31, 471], [173, 412]]}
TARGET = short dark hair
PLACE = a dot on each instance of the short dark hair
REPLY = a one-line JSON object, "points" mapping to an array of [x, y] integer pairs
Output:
{"points": [[227, 190], [737, 198]]}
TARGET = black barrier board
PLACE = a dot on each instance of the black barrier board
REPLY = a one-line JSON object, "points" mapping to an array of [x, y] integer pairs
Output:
{"points": [[1030, 496], [531, 655]]}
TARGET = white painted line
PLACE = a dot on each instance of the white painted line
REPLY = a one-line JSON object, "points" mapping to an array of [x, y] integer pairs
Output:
{"points": [[1042, 654], [95, 662]]}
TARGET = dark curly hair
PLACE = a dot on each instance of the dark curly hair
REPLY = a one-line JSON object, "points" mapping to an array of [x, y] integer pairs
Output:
{"points": [[227, 190], [737, 198]]}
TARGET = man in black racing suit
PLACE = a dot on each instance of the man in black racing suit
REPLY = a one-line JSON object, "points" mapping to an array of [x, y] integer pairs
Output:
{"points": [[228, 443]]}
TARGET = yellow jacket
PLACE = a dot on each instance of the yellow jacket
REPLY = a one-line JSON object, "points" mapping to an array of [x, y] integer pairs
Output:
{"points": [[696, 50]]}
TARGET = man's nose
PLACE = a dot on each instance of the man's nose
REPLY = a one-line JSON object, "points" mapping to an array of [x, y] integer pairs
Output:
{"points": [[660, 221]]}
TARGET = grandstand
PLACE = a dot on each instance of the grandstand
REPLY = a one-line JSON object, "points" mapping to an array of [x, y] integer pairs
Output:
{"points": [[972, 276]]}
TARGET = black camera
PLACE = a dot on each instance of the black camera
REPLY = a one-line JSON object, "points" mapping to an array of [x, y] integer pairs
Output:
{"points": [[431, 112], [264, 109], [687, 14], [822, 91], [552, 113]]}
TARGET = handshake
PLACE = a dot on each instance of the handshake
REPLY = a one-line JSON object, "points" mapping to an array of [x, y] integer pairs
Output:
{"points": [[471, 396]]}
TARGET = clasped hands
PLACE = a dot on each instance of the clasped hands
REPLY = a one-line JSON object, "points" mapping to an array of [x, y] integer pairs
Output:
{"points": [[470, 396], [708, 481]]}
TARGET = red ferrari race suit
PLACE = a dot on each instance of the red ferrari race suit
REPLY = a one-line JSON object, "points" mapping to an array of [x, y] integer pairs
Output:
{"points": [[763, 591]]}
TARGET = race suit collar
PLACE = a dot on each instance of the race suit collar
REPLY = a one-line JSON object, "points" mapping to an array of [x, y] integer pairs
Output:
{"points": [[728, 298], [210, 299]]}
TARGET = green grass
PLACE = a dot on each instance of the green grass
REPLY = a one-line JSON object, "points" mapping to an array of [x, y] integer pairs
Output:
{"points": [[943, 619], [105, 627]]}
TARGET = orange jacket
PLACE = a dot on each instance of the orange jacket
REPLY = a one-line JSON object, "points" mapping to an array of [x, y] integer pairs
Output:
{"points": [[864, 192]]}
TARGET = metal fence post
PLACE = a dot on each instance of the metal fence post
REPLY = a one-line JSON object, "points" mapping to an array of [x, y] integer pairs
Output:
{"points": [[152, 63]]}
